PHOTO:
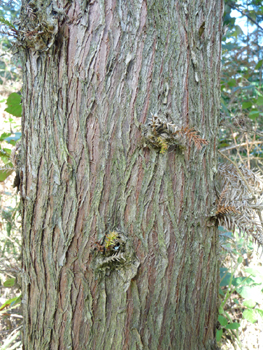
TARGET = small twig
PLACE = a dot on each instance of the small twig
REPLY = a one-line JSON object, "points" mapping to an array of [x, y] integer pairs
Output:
{"points": [[10, 339], [241, 160], [240, 145], [243, 12], [15, 315], [248, 160]]}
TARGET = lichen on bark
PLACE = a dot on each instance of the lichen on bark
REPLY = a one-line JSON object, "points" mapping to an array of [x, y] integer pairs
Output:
{"points": [[84, 171]]}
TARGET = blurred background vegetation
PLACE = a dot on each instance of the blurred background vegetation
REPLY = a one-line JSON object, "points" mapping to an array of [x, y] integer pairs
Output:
{"points": [[240, 319], [241, 83]]}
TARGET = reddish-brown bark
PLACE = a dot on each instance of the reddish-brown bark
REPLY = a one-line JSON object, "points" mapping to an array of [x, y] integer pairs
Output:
{"points": [[86, 172]]}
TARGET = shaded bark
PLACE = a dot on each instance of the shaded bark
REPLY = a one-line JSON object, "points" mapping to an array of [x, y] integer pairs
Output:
{"points": [[106, 67]]}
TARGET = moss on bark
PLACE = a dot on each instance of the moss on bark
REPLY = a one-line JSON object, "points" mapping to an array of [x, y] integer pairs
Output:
{"points": [[85, 173]]}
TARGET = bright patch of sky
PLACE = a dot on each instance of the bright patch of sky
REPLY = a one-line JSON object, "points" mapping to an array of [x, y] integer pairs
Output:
{"points": [[242, 21]]}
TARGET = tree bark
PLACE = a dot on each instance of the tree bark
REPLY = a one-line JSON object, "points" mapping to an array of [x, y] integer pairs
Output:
{"points": [[94, 71]]}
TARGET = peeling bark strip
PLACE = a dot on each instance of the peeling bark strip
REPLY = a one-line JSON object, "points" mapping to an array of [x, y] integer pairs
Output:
{"points": [[108, 66]]}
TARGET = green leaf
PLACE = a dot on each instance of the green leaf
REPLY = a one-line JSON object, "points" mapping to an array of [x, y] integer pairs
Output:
{"points": [[225, 276], [18, 300], [220, 310], [254, 272], [238, 281], [249, 303], [4, 173], [247, 291], [259, 64], [5, 156], [225, 281], [7, 151], [258, 92], [224, 107], [223, 270], [250, 315], [4, 136], [228, 46], [232, 82], [256, 275], [253, 115], [240, 259], [221, 292], [233, 325], [11, 302], [14, 106], [222, 320], [226, 234], [10, 282], [259, 101], [247, 104], [237, 31], [6, 22], [260, 312], [219, 333]]}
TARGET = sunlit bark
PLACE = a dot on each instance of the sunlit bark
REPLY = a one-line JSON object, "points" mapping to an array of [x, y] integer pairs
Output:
{"points": [[89, 89]]}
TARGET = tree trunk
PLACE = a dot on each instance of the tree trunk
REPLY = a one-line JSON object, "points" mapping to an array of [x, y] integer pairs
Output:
{"points": [[119, 251]]}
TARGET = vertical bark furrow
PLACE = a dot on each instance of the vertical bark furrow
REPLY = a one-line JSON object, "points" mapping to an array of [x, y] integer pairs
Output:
{"points": [[87, 173]]}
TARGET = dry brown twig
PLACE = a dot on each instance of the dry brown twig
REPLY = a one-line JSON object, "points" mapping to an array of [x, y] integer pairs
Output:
{"points": [[244, 144], [191, 135], [223, 209]]}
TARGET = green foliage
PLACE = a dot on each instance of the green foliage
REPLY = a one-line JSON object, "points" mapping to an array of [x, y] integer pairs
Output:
{"points": [[241, 138], [219, 333], [10, 243], [5, 154], [250, 315], [9, 226], [14, 106], [242, 83], [237, 285], [4, 136], [5, 172], [11, 303], [6, 22], [9, 283], [9, 11]]}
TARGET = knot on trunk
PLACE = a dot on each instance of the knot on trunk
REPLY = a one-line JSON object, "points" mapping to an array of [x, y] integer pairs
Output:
{"points": [[114, 251], [161, 134]]}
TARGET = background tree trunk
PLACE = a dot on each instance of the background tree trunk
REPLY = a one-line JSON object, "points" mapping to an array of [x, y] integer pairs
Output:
{"points": [[94, 71]]}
